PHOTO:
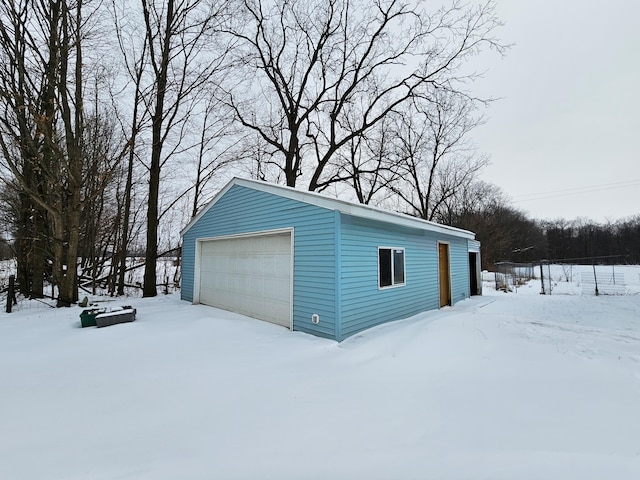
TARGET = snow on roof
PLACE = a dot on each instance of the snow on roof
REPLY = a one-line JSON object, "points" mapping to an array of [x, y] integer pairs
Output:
{"points": [[349, 208]]}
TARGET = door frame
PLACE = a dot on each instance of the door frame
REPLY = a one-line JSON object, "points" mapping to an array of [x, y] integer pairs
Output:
{"points": [[474, 261], [447, 273], [262, 233]]}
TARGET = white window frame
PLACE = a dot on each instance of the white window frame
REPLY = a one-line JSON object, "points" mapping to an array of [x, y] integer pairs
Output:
{"points": [[404, 268]]}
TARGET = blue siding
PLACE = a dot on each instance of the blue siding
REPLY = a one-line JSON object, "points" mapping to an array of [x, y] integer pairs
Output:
{"points": [[336, 260], [459, 258], [473, 245], [244, 210], [363, 304]]}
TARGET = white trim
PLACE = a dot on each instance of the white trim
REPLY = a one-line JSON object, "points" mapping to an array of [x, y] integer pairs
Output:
{"points": [[196, 272], [404, 267], [349, 208], [261, 233], [257, 233], [293, 256]]}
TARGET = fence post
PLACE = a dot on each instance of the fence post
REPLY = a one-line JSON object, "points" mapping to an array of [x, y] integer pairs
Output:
{"points": [[11, 294], [595, 278], [613, 273], [571, 272], [542, 279]]}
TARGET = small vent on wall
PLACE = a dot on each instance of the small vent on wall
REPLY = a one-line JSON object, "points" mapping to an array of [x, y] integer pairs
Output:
{"points": [[315, 318]]}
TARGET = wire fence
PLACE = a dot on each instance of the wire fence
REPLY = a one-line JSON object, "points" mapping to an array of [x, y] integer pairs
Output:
{"points": [[509, 275], [558, 277], [604, 280], [168, 273]]}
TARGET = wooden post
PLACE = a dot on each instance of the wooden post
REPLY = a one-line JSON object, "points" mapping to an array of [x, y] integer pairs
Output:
{"points": [[595, 278], [11, 294], [541, 279]]}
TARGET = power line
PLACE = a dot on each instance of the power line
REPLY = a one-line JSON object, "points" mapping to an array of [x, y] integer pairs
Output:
{"points": [[564, 190], [575, 191]]}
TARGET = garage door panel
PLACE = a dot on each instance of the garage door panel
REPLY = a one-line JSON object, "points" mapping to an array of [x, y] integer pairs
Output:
{"points": [[249, 275]]}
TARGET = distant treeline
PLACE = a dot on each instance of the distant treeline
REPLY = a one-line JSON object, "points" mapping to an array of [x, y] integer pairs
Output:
{"points": [[620, 241], [508, 235]]}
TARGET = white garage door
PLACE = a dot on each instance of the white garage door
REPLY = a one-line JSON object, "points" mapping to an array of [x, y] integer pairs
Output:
{"points": [[248, 275]]}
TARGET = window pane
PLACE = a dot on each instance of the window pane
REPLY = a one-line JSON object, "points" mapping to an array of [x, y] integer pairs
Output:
{"points": [[398, 266], [384, 267]]}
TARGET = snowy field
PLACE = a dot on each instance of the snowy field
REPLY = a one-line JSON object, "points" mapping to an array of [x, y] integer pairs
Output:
{"points": [[504, 386], [577, 279]]}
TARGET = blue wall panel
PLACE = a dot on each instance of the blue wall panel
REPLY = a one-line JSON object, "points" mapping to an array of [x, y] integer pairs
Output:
{"points": [[244, 210], [362, 303], [473, 245], [459, 258]]}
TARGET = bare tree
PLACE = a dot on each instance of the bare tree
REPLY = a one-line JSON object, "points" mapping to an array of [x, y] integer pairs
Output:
{"points": [[42, 95], [134, 56], [435, 158], [21, 72], [182, 60], [215, 149], [367, 163], [468, 199], [100, 221], [326, 72], [26, 223]]}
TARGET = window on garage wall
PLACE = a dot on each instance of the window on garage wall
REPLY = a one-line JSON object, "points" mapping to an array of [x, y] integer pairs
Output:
{"points": [[390, 267]]}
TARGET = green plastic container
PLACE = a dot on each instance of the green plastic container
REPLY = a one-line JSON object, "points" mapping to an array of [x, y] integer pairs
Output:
{"points": [[88, 317]]}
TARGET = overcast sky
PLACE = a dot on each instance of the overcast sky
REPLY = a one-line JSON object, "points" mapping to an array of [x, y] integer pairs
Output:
{"points": [[565, 136]]}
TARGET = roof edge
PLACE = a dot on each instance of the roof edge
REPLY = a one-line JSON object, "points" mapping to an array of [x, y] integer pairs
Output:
{"points": [[349, 208]]}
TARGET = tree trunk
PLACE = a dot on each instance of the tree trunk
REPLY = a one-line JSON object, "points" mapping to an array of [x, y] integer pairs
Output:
{"points": [[38, 254], [124, 242], [151, 251], [68, 284]]}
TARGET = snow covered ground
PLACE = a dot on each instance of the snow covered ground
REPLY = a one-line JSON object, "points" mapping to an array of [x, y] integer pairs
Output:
{"points": [[577, 279], [504, 386]]}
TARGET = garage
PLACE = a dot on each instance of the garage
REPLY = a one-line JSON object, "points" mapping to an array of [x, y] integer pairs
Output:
{"points": [[248, 274], [319, 265]]}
